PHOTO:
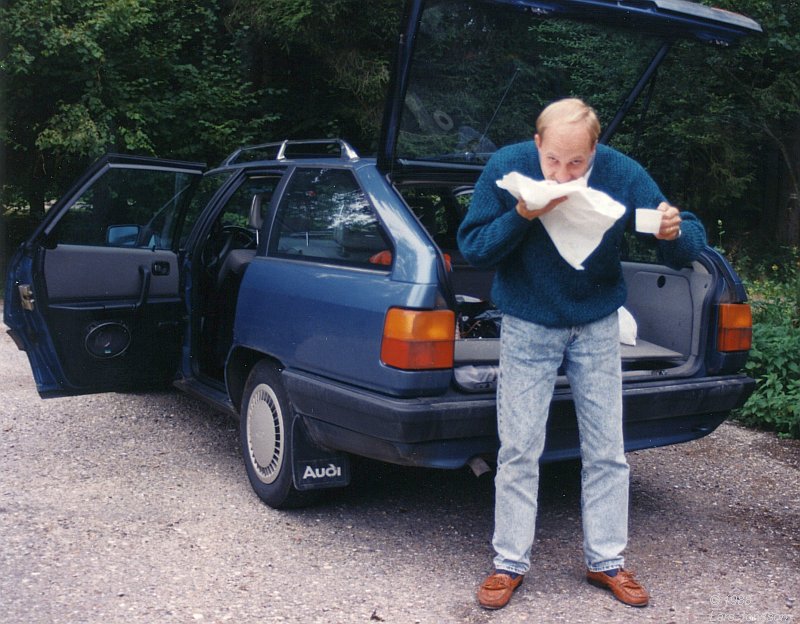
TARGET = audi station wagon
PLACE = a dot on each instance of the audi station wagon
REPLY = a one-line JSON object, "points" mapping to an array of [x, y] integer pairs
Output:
{"points": [[318, 294]]}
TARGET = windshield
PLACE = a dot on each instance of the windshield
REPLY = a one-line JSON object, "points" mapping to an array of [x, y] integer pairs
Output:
{"points": [[483, 71]]}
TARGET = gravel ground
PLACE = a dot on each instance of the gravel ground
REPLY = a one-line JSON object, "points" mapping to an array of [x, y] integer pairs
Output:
{"points": [[135, 508]]}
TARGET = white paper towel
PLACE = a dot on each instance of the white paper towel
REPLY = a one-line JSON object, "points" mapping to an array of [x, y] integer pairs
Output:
{"points": [[577, 225], [628, 328]]}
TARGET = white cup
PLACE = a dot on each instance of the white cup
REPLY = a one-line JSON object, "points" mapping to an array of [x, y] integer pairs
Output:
{"points": [[648, 220]]}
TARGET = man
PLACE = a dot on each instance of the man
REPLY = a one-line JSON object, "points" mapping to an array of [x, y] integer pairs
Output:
{"points": [[554, 315]]}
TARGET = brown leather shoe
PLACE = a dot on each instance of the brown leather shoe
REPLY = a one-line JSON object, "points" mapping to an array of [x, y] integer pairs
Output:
{"points": [[623, 585], [496, 590]]}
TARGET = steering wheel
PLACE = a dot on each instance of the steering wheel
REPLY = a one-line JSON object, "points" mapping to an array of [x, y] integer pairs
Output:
{"points": [[228, 238], [234, 233]]}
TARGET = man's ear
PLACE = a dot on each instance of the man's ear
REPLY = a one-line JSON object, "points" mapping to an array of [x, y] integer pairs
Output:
{"points": [[538, 140]]}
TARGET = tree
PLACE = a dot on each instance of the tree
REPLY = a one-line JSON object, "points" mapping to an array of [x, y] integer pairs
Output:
{"points": [[193, 80], [768, 86], [82, 77], [727, 139], [331, 57]]}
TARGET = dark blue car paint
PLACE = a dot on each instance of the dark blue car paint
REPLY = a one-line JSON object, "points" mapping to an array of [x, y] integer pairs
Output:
{"points": [[447, 431]]}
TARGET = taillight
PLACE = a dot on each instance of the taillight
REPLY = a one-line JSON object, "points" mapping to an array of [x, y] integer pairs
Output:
{"points": [[418, 339], [734, 327]]}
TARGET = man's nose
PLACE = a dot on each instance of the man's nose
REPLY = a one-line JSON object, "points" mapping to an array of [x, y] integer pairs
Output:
{"points": [[562, 174]]}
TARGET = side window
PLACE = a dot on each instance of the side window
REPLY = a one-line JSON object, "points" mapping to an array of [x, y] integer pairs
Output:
{"points": [[238, 223], [325, 216], [237, 210], [243, 213], [127, 207], [206, 188]]}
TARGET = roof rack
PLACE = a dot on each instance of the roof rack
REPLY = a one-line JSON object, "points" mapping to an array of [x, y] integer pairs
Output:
{"points": [[294, 150]]}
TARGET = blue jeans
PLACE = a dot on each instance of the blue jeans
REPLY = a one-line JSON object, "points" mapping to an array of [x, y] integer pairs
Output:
{"points": [[530, 356]]}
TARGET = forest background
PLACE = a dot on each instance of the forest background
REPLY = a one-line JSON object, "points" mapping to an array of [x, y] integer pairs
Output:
{"points": [[194, 80]]}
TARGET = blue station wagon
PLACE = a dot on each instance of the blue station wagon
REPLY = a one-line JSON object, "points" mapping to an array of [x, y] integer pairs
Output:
{"points": [[319, 296]]}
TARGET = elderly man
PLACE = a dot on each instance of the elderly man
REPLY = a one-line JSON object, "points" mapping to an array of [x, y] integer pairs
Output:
{"points": [[557, 315]]}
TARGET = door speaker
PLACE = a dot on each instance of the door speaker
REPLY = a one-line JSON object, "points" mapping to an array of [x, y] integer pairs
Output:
{"points": [[107, 340]]}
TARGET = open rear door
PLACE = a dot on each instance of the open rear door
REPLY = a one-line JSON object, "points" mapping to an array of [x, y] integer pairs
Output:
{"points": [[471, 75], [94, 296]]}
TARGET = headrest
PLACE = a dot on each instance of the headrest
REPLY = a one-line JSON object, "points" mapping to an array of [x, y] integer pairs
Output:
{"points": [[255, 220]]}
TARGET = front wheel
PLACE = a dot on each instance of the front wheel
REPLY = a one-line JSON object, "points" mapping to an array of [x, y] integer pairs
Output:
{"points": [[265, 434]]}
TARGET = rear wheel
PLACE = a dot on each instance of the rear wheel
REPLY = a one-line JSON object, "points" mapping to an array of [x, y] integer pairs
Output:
{"points": [[265, 433]]}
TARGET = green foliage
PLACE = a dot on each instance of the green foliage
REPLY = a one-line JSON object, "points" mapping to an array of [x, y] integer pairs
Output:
{"points": [[332, 58], [727, 141], [775, 364], [774, 360], [722, 135], [89, 76]]}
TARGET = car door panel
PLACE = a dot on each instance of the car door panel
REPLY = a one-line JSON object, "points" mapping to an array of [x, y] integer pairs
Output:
{"points": [[96, 310], [66, 269], [118, 316]]}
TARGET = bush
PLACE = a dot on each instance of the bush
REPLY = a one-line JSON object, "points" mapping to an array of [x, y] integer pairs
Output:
{"points": [[775, 357], [775, 364]]}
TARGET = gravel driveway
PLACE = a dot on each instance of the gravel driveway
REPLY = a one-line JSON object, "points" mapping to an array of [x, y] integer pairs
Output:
{"points": [[135, 508]]}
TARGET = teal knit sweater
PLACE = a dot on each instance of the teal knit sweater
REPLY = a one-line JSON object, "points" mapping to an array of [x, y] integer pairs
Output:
{"points": [[532, 281]]}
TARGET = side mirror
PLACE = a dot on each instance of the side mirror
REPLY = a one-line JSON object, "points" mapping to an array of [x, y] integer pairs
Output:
{"points": [[122, 235]]}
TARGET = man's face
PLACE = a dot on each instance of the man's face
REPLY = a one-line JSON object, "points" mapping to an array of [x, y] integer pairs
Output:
{"points": [[566, 151]]}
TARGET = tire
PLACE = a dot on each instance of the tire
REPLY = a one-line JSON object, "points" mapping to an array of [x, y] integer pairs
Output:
{"points": [[265, 434]]}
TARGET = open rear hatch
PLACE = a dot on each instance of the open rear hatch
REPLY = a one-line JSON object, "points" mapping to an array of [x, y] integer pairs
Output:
{"points": [[471, 77]]}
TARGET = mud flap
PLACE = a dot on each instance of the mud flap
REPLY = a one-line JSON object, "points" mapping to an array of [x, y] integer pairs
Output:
{"points": [[314, 467]]}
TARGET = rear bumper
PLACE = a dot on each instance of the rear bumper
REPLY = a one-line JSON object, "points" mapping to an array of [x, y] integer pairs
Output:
{"points": [[448, 430]]}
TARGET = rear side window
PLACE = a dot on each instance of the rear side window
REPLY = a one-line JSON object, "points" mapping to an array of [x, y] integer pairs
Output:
{"points": [[324, 216], [639, 248]]}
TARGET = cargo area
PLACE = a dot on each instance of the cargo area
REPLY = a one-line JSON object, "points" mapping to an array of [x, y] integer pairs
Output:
{"points": [[667, 305]]}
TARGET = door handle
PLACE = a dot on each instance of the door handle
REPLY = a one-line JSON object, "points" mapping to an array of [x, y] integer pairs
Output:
{"points": [[160, 268], [144, 272]]}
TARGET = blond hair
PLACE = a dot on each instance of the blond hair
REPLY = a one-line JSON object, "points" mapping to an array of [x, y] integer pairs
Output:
{"points": [[569, 110]]}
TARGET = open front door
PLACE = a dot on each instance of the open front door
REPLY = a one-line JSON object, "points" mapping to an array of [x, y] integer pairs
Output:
{"points": [[94, 296]]}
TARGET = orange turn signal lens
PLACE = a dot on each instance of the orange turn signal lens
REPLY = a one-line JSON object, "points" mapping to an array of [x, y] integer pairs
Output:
{"points": [[418, 339], [734, 327]]}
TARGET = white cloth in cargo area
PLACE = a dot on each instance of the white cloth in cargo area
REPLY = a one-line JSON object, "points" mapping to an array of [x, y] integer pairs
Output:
{"points": [[628, 328]]}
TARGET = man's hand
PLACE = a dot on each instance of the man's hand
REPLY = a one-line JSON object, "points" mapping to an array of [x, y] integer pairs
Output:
{"points": [[530, 215], [670, 222]]}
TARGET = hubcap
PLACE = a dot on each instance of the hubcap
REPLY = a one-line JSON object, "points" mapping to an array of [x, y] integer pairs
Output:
{"points": [[265, 439]]}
